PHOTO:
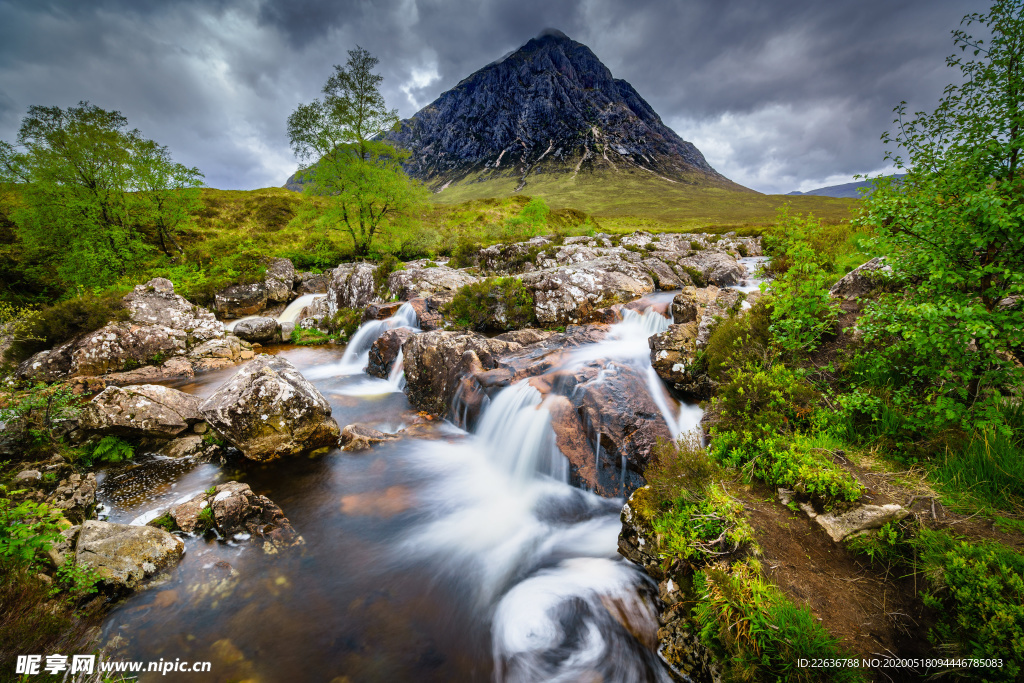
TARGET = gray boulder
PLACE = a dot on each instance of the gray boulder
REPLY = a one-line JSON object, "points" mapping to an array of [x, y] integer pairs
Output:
{"points": [[155, 303], [125, 556], [238, 301], [259, 330], [862, 280], [279, 280], [140, 411], [269, 410], [351, 287], [571, 294], [236, 510], [439, 283]]}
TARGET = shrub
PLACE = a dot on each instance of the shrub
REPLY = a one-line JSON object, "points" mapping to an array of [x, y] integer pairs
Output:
{"points": [[977, 592], [464, 255], [738, 341], [64, 320], [345, 322], [27, 530], [387, 265], [764, 402], [802, 311], [35, 412], [695, 275], [502, 303], [757, 632]]}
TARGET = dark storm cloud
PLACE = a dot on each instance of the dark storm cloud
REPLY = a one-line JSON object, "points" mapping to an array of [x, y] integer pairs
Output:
{"points": [[778, 95]]}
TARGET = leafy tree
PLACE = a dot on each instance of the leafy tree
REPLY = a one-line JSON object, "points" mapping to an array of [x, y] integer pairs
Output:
{"points": [[361, 175], [94, 194], [955, 227]]}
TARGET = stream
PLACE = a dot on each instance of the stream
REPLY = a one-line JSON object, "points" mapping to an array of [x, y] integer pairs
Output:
{"points": [[458, 556]]}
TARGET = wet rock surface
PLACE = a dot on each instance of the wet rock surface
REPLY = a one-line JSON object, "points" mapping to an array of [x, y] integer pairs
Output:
{"points": [[440, 283], [125, 556], [236, 510], [357, 437], [260, 330], [269, 410], [385, 352]]}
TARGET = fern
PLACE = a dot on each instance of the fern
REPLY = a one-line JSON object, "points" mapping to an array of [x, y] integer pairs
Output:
{"points": [[112, 449]]}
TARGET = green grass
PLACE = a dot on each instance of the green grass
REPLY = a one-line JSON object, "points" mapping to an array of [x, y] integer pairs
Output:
{"points": [[988, 473]]}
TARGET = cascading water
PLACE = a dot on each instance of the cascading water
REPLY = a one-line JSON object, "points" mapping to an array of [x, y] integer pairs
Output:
{"points": [[357, 353], [288, 315]]}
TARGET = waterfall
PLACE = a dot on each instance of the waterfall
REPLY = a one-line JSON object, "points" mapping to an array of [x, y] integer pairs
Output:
{"points": [[357, 353], [288, 315], [516, 430], [397, 375]]}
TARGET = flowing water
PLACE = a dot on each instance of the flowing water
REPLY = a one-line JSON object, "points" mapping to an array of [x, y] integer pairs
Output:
{"points": [[288, 315], [455, 557]]}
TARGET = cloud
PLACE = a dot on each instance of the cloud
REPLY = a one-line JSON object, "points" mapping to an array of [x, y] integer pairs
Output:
{"points": [[777, 95]]}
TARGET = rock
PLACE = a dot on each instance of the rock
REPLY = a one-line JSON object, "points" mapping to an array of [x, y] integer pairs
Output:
{"points": [[435, 363], [312, 283], [238, 301], [862, 280], [716, 267], [636, 538], [386, 350], [571, 294], [844, 525], [705, 306], [440, 283], [237, 510], [664, 277], [175, 368], [28, 476], [125, 556], [259, 330], [286, 330], [139, 411], [511, 258], [76, 496], [183, 447], [381, 311], [673, 352], [351, 286], [218, 353], [269, 410], [428, 313], [64, 546], [360, 437], [279, 280], [155, 303]]}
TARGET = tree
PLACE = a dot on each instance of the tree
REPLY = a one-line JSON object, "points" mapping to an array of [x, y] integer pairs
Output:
{"points": [[93, 192], [358, 173], [955, 229]]}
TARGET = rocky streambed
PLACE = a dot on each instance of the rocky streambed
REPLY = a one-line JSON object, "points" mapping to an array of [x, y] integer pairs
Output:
{"points": [[466, 529]]}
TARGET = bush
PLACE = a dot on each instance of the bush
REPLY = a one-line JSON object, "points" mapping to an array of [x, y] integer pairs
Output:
{"points": [[67, 319], [27, 530], [765, 402], [739, 341], [758, 633], [35, 413], [387, 265], [502, 303], [802, 311], [465, 255], [977, 592]]}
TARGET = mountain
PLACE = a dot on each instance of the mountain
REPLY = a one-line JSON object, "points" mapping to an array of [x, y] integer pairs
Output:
{"points": [[844, 191], [551, 108]]}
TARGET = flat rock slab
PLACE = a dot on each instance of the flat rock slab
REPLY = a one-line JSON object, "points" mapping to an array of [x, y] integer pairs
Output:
{"points": [[125, 555], [863, 518]]}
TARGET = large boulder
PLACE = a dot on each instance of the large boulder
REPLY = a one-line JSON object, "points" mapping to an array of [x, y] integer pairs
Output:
{"points": [[440, 283], [862, 280], [218, 354], [176, 368], [386, 350], [140, 411], [155, 303], [269, 410], [279, 280], [261, 330], [673, 352], [312, 283], [236, 510], [571, 294], [124, 346], [716, 267], [125, 556], [238, 301], [435, 362], [352, 286]]}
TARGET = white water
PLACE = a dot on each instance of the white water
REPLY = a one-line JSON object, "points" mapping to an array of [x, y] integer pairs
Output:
{"points": [[357, 353], [288, 315]]}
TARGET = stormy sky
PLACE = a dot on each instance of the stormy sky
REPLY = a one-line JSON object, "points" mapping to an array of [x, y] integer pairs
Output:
{"points": [[779, 95]]}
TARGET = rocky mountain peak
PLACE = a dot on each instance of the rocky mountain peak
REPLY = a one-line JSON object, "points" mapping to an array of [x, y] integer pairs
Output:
{"points": [[549, 107]]}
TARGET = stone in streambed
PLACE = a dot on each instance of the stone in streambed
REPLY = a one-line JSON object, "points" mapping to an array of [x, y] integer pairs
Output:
{"points": [[259, 330], [125, 556], [269, 410], [140, 411]]}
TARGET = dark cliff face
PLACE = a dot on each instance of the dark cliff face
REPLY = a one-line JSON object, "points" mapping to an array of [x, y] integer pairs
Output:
{"points": [[549, 107]]}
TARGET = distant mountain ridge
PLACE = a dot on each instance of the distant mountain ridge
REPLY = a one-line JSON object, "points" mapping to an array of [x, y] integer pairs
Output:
{"points": [[844, 191], [550, 107]]}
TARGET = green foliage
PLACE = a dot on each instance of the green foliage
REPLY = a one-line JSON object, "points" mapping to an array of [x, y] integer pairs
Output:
{"points": [[35, 413], [765, 401], [96, 197], [692, 518], [310, 337], [739, 341], [345, 322], [109, 449], [464, 255], [695, 275], [207, 520], [165, 522], [977, 592], [885, 545], [531, 221], [758, 633], [799, 463], [359, 177], [64, 320], [496, 303], [73, 583], [27, 530], [953, 229], [387, 265]]}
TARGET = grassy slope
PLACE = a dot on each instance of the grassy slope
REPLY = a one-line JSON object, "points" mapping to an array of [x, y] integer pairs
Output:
{"points": [[631, 198]]}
